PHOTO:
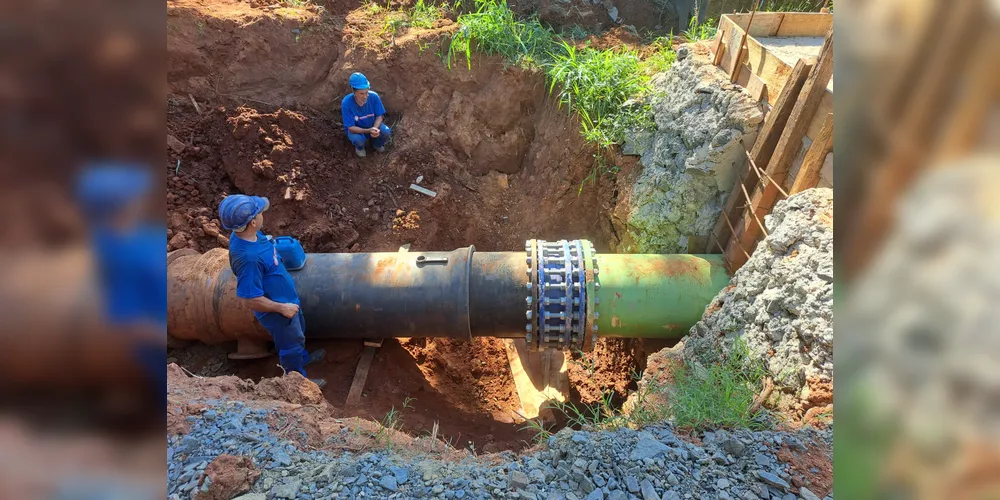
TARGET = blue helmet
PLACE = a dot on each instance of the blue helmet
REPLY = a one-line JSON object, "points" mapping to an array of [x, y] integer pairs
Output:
{"points": [[105, 188], [237, 210], [358, 81]]}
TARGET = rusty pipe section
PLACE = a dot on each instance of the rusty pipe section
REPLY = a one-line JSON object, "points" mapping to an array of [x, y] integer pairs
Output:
{"points": [[459, 294]]}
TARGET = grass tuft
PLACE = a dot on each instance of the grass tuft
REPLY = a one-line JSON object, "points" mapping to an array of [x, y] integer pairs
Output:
{"points": [[722, 396], [390, 424]]}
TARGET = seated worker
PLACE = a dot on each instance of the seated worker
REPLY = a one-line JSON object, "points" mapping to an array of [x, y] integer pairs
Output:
{"points": [[362, 112], [263, 281]]}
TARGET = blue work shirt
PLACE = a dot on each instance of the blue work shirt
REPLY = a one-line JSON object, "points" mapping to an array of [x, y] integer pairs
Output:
{"points": [[132, 270], [361, 116], [260, 272]]}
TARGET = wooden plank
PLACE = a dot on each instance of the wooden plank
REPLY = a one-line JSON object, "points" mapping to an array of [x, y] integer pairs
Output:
{"points": [[717, 47], [741, 48], [784, 153], [808, 176], [767, 139], [764, 24], [804, 24], [771, 69], [538, 377], [360, 376], [816, 125], [756, 87]]}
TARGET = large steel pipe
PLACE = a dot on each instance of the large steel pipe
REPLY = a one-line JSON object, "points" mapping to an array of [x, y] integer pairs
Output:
{"points": [[553, 298]]}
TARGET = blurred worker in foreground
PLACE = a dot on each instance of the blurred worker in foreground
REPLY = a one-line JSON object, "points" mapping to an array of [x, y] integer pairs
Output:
{"points": [[362, 113], [130, 254], [263, 281]]}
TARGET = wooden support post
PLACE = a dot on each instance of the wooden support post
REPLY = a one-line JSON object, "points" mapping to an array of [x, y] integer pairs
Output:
{"points": [[761, 152], [784, 152], [361, 373], [539, 377], [808, 176]]}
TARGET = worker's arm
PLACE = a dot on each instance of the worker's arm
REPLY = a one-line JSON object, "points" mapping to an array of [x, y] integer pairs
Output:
{"points": [[250, 288], [358, 130], [266, 305]]}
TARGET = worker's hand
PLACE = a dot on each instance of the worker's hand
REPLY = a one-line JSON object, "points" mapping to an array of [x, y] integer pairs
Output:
{"points": [[289, 310], [375, 132]]}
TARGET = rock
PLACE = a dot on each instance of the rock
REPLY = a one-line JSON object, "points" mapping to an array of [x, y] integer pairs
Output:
{"points": [[175, 144], [733, 447], [648, 492], [389, 483], [252, 496], [773, 480], [402, 475], [632, 484], [670, 495], [288, 490], [806, 494], [762, 459], [518, 480], [613, 14], [647, 447], [596, 495], [618, 495], [722, 484], [536, 476]]}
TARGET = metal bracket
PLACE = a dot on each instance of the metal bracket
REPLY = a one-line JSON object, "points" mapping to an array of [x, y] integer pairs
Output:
{"points": [[421, 260]]}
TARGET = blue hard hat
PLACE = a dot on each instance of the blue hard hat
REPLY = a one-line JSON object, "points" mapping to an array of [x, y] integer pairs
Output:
{"points": [[237, 210], [104, 188], [358, 81]]}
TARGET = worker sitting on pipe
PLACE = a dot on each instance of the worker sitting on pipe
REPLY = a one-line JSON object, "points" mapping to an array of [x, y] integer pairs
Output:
{"points": [[362, 112], [263, 281]]}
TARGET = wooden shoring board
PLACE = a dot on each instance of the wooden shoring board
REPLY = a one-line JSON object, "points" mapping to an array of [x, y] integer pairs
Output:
{"points": [[761, 152], [361, 375], [784, 153], [812, 164], [539, 376]]}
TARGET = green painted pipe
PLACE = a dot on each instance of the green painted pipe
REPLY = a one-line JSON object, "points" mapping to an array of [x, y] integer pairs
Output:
{"points": [[655, 296]]}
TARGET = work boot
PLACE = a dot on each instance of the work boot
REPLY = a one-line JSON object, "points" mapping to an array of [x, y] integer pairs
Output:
{"points": [[321, 382], [316, 356], [380, 149], [360, 152]]}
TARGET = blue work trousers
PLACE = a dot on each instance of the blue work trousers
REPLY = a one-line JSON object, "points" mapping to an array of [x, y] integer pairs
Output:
{"points": [[290, 341], [359, 140]]}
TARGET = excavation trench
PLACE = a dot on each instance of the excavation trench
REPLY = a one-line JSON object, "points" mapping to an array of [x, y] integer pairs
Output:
{"points": [[507, 165]]}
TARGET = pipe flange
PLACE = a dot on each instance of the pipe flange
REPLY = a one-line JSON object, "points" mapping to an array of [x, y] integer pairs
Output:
{"points": [[532, 257], [590, 264]]}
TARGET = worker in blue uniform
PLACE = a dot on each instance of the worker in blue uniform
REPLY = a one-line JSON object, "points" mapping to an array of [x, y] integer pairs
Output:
{"points": [[130, 262], [263, 281], [362, 114]]}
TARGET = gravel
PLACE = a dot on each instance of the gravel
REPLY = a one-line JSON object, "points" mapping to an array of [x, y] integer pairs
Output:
{"points": [[624, 464]]}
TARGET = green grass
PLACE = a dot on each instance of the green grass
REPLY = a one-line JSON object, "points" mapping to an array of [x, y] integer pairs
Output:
{"points": [[390, 424], [421, 15], [793, 5], [720, 397], [704, 31], [594, 84]]}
